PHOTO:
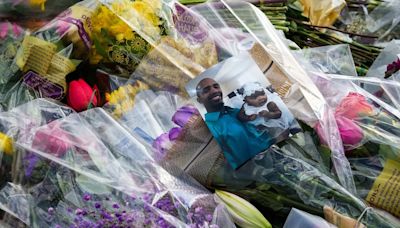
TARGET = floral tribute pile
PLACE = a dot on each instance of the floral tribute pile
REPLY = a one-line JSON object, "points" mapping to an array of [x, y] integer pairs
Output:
{"points": [[97, 128]]}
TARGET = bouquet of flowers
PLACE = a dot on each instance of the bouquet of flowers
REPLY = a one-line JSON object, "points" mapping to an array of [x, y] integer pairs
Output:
{"points": [[146, 157], [177, 140], [23, 9], [369, 129], [264, 45], [13, 91], [49, 54], [275, 181], [118, 46], [87, 170]]}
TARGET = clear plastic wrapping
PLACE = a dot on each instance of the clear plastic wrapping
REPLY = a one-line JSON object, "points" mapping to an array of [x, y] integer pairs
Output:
{"points": [[86, 170], [133, 161], [332, 59], [275, 181], [33, 9], [198, 38], [384, 20], [12, 89]]}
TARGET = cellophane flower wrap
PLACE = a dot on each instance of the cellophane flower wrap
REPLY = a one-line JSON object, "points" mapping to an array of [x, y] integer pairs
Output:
{"points": [[200, 38], [130, 163], [208, 166], [33, 9], [47, 55], [86, 170], [290, 176], [367, 120], [373, 143], [12, 90]]}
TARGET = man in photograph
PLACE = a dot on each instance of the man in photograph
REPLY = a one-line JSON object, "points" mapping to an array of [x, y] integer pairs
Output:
{"points": [[237, 142]]}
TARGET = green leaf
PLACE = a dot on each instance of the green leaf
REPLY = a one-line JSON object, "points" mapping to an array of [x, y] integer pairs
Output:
{"points": [[99, 48]]}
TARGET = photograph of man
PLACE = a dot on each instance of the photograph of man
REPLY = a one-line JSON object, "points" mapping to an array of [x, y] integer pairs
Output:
{"points": [[227, 125]]}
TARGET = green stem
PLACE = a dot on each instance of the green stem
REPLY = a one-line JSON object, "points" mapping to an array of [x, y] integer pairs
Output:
{"points": [[266, 8]]}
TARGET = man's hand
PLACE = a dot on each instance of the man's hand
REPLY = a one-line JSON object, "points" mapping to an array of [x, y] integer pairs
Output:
{"points": [[245, 118]]}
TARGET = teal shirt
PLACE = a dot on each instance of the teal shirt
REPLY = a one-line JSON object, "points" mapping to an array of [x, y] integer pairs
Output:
{"points": [[236, 141]]}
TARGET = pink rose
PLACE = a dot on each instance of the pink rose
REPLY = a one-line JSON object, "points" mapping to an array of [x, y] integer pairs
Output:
{"points": [[350, 133], [52, 140], [354, 105]]}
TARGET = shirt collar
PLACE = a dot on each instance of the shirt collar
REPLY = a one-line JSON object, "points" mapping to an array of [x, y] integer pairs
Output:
{"points": [[214, 116]]}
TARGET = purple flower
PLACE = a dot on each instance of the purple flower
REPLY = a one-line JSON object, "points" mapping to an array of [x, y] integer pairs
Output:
{"points": [[162, 144], [116, 206], [147, 221], [78, 211], [97, 205], [174, 133], [31, 161], [50, 210], [392, 68], [209, 217], [182, 115], [87, 197], [164, 141], [198, 210], [106, 215]]}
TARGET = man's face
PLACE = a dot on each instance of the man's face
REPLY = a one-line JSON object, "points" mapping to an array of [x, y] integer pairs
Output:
{"points": [[209, 92]]}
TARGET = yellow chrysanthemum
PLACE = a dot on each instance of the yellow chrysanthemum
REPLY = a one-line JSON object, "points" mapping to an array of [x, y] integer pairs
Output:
{"points": [[155, 5], [119, 23], [147, 15], [40, 3], [142, 15], [6, 144], [123, 98]]}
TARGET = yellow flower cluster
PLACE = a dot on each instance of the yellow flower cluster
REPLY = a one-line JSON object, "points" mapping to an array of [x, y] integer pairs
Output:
{"points": [[140, 13], [115, 27], [40, 3], [122, 99], [6, 144], [105, 19]]}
